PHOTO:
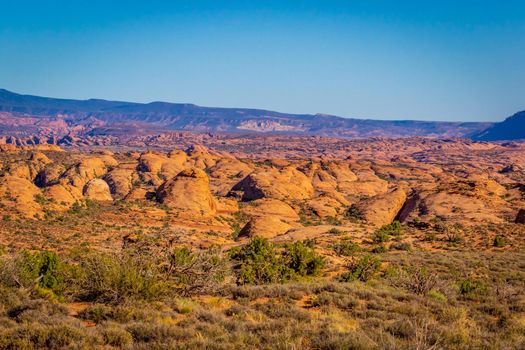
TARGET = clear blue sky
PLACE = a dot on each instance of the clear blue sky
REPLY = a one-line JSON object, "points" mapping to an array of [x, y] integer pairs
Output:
{"points": [[434, 60]]}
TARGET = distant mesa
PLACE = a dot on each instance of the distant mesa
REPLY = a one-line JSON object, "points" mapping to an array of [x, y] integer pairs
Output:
{"points": [[26, 114]]}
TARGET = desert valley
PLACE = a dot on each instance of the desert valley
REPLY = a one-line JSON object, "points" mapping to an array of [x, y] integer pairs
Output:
{"points": [[180, 239]]}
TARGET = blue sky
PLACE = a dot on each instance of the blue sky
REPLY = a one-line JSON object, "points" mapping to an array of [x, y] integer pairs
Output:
{"points": [[433, 60]]}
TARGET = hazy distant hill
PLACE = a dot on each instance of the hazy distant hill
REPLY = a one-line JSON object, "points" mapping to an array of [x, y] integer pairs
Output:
{"points": [[512, 128], [100, 116]]}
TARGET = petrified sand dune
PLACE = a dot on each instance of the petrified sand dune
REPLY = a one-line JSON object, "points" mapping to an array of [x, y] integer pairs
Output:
{"points": [[266, 226], [20, 194], [97, 189], [188, 194], [383, 209], [283, 184], [271, 207]]}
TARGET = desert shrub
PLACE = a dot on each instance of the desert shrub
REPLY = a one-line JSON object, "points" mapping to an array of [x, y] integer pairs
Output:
{"points": [[335, 231], [401, 246], [346, 247], [31, 336], [471, 287], [112, 277], [381, 236], [499, 241], [33, 269], [196, 273], [384, 233], [415, 279], [258, 263], [116, 336], [379, 249], [362, 270], [301, 258], [354, 213]]}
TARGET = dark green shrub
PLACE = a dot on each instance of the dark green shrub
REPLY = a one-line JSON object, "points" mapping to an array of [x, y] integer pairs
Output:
{"points": [[38, 269], [379, 249], [111, 278], [258, 263], [362, 270], [354, 213], [499, 241], [302, 259], [384, 233], [346, 248], [472, 287]]}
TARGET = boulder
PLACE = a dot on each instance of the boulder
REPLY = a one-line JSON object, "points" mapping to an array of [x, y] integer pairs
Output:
{"points": [[271, 207], [85, 170], [188, 194], [62, 197], [382, 209], [20, 194], [97, 189], [265, 226], [120, 181], [284, 184]]}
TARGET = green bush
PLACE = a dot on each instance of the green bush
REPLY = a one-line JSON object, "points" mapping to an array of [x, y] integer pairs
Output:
{"points": [[472, 287], [196, 273], [258, 262], [384, 233], [40, 270], [379, 249], [346, 247], [362, 270], [111, 278], [302, 259], [499, 241]]}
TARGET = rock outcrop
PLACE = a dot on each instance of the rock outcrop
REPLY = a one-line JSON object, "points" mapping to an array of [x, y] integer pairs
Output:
{"points": [[284, 184], [188, 194], [265, 226], [382, 209], [20, 194], [97, 189]]}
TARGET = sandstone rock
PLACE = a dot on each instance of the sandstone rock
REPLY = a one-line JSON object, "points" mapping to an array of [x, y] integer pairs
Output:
{"points": [[201, 157], [85, 170], [271, 207], [382, 209], [20, 194], [265, 226], [285, 184], [160, 164], [189, 194], [39, 158], [120, 181], [325, 206], [49, 175], [62, 197], [97, 189]]}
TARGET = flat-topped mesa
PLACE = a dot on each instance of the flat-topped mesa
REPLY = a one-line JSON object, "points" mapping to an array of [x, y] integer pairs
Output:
{"points": [[188, 194]]}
